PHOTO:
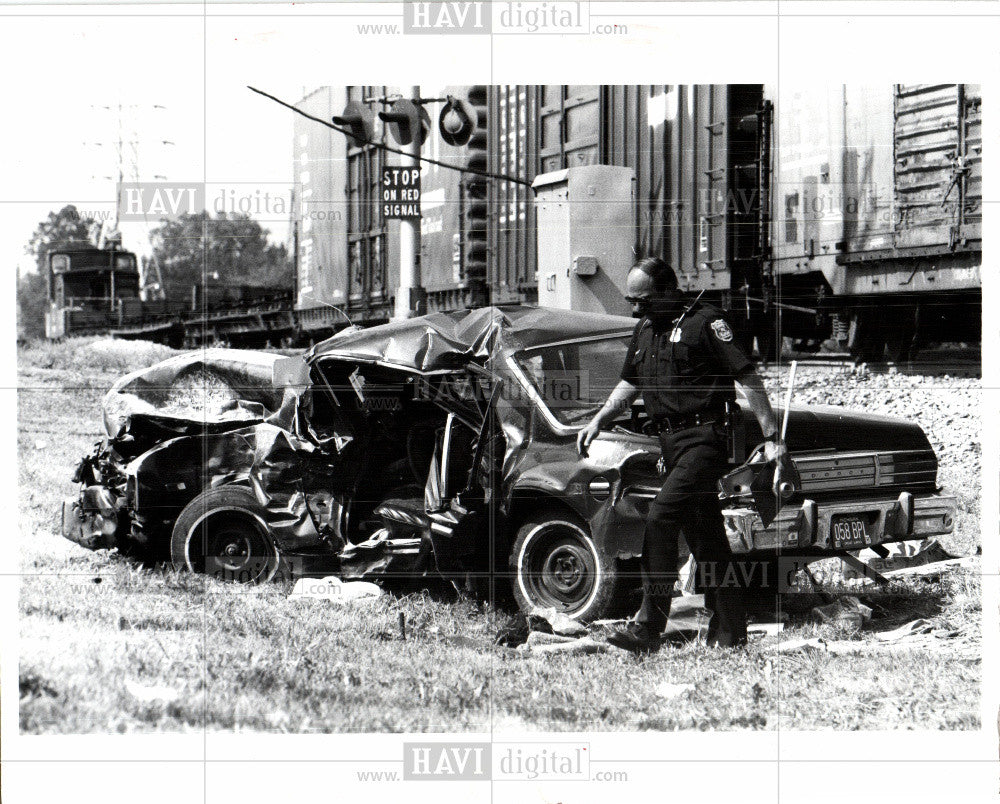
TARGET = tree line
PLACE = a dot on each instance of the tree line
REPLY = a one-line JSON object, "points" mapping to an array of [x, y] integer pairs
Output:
{"points": [[224, 249]]}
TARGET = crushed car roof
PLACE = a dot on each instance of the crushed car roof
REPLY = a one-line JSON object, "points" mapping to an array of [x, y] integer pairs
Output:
{"points": [[443, 341]]}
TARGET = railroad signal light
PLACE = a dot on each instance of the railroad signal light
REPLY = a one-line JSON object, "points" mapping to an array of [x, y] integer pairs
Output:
{"points": [[407, 121], [457, 121], [360, 120]]}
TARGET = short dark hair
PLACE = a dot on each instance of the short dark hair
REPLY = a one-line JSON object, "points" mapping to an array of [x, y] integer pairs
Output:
{"points": [[663, 275]]}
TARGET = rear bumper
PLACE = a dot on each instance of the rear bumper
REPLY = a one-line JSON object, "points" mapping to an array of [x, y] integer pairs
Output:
{"points": [[808, 526]]}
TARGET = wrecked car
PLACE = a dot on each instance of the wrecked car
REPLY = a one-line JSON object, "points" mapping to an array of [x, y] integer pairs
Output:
{"points": [[446, 444]]}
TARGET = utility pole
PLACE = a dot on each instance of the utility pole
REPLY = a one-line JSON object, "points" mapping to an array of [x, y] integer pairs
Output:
{"points": [[122, 139], [411, 299]]}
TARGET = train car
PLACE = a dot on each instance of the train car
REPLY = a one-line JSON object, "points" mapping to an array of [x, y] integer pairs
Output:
{"points": [[851, 212], [86, 288], [846, 212], [877, 210]]}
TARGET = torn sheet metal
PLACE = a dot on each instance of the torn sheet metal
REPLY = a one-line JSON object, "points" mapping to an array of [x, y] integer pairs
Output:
{"points": [[210, 385], [447, 341]]}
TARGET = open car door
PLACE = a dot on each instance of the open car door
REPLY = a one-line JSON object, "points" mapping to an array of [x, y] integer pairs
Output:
{"points": [[460, 490]]}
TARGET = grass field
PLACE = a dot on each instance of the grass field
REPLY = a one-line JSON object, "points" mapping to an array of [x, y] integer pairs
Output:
{"points": [[94, 626]]}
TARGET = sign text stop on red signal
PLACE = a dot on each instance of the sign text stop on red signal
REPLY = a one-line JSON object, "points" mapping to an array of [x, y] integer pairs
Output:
{"points": [[401, 192]]}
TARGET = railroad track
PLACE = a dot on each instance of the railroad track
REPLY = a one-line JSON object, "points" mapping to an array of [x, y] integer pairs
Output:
{"points": [[934, 363]]}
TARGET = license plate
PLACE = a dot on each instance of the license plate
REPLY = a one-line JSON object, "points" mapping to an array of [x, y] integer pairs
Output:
{"points": [[849, 532]]}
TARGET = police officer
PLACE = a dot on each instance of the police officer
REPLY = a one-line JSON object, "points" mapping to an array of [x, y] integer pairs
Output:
{"points": [[684, 360]]}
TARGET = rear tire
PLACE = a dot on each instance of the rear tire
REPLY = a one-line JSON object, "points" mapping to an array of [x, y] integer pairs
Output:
{"points": [[555, 563], [222, 532]]}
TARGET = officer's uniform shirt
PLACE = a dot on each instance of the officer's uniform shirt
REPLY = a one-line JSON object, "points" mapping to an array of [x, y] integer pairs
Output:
{"points": [[688, 368]]}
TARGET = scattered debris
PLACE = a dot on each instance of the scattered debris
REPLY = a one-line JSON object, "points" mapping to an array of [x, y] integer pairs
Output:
{"points": [[668, 690], [151, 694], [910, 629], [847, 612], [335, 590], [801, 646], [933, 570], [554, 622], [41, 444], [541, 638], [924, 557], [924, 634], [515, 634], [918, 634], [768, 629], [904, 555], [571, 647]]}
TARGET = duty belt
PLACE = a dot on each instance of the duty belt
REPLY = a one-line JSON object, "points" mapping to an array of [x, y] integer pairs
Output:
{"points": [[674, 424]]}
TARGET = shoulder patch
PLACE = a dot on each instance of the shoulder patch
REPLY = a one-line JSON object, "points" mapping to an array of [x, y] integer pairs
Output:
{"points": [[722, 330]]}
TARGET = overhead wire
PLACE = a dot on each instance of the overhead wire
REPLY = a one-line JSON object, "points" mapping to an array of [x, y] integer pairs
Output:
{"points": [[486, 174]]}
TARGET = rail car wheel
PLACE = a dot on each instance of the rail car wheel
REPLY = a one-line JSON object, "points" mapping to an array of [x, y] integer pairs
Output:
{"points": [[769, 341], [866, 341], [901, 340], [556, 564], [222, 533]]}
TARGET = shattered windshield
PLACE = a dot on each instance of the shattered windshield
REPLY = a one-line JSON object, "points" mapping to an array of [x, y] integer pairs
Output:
{"points": [[575, 378]]}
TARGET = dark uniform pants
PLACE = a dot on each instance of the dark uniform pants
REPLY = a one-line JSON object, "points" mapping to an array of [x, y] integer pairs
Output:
{"points": [[688, 503]]}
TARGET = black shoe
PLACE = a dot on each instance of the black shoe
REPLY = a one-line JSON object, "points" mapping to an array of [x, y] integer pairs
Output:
{"points": [[635, 637]]}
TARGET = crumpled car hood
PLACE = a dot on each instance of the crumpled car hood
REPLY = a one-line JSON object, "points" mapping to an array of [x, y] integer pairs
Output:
{"points": [[208, 386], [447, 341]]}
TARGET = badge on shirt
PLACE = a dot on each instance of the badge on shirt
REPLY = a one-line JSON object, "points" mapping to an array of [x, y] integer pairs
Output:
{"points": [[722, 330], [675, 335]]}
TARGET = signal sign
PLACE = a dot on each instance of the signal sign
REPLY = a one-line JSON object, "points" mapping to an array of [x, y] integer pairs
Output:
{"points": [[400, 192]]}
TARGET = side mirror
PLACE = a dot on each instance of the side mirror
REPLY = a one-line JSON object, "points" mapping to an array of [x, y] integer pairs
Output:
{"points": [[290, 372]]}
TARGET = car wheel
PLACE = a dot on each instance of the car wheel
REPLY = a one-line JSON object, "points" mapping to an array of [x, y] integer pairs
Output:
{"points": [[222, 533], [556, 564]]}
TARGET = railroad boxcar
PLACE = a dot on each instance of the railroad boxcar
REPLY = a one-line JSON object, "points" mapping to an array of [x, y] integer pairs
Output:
{"points": [[877, 210]]}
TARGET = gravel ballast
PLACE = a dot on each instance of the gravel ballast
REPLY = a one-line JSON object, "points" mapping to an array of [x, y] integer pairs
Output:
{"points": [[947, 408]]}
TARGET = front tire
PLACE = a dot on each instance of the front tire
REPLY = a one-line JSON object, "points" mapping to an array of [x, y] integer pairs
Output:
{"points": [[556, 564], [222, 533]]}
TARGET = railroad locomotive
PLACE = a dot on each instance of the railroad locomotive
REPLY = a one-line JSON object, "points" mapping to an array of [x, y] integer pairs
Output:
{"points": [[88, 289], [93, 290]]}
